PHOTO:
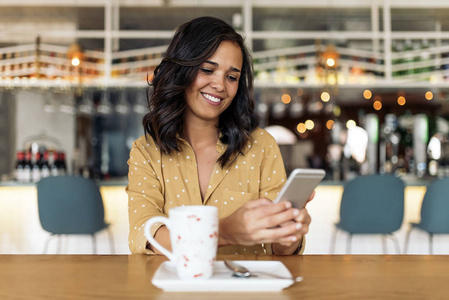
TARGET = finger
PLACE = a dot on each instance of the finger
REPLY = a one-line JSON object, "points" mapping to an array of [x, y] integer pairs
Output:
{"points": [[303, 217], [303, 228], [311, 197], [254, 214], [289, 222], [286, 234], [258, 203], [281, 217], [296, 236], [264, 212], [296, 229]]}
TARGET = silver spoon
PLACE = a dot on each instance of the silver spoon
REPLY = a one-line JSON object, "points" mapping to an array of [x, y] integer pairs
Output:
{"points": [[241, 271]]}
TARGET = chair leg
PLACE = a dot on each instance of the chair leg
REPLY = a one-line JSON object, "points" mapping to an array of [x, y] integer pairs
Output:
{"points": [[59, 243], [384, 244], [48, 242], [431, 243], [407, 238], [94, 243], [111, 240], [396, 243], [348, 244], [333, 240]]}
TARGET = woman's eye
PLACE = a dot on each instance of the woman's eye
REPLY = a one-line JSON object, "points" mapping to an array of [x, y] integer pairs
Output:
{"points": [[206, 71], [232, 78]]}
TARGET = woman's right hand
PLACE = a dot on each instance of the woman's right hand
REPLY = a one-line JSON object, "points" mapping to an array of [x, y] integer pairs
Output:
{"points": [[259, 221]]}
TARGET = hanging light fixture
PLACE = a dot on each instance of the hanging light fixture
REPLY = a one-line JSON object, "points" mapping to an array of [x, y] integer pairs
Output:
{"points": [[75, 54], [330, 57]]}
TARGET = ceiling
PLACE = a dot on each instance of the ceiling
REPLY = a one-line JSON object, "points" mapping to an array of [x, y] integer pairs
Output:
{"points": [[21, 24]]}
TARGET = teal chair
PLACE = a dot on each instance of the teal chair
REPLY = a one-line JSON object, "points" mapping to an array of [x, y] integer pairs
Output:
{"points": [[71, 205], [371, 204], [434, 212]]}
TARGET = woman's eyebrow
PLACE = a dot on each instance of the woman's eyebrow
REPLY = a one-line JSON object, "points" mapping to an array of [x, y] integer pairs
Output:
{"points": [[234, 69]]}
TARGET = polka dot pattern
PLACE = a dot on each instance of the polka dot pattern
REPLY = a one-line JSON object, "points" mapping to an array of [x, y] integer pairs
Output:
{"points": [[159, 181]]}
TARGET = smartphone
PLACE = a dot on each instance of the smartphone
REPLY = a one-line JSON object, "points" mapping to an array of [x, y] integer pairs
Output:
{"points": [[300, 185]]}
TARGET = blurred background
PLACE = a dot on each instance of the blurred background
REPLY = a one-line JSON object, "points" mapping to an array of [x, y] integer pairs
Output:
{"points": [[355, 87]]}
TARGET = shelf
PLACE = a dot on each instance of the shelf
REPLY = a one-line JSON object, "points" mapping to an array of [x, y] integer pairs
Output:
{"points": [[368, 34]]}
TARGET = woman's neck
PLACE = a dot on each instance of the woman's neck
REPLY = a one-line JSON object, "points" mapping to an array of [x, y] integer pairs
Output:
{"points": [[200, 134]]}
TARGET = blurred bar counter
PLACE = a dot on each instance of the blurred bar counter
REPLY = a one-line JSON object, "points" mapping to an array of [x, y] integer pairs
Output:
{"points": [[21, 232], [408, 181]]}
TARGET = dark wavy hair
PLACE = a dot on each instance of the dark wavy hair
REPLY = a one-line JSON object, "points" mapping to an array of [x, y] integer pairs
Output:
{"points": [[193, 43]]}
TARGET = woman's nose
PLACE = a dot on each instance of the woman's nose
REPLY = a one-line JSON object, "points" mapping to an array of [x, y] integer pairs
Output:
{"points": [[217, 83]]}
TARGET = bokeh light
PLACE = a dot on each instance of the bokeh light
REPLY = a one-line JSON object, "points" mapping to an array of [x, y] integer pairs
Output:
{"points": [[330, 62], [76, 61], [377, 105], [367, 94], [325, 96], [286, 98], [301, 128], [401, 100], [350, 124], [309, 124], [337, 111]]}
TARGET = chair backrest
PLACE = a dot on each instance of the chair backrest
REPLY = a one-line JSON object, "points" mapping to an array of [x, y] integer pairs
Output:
{"points": [[70, 205], [435, 207], [372, 204]]}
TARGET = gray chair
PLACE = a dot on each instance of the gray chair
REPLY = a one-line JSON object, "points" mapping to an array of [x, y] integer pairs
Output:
{"points": [[71, 205], [434, 212], [372, 204]]}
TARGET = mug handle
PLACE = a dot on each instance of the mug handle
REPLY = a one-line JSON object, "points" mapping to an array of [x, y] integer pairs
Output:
{"points": [[151, 239]]}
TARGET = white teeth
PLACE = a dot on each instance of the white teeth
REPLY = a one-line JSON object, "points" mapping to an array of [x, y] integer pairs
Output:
{"points": [[211, 98]]}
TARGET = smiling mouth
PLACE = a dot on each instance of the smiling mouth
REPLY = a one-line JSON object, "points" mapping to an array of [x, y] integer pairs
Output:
{"points": [[211, 98]]}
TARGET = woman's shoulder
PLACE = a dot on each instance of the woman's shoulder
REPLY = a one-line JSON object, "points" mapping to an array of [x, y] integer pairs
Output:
{"points": [[260, 134], [261, 139], [144, 140], [147, 143]]}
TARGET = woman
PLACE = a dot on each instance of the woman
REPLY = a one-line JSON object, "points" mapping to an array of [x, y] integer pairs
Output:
{"points": [[203, 147]]}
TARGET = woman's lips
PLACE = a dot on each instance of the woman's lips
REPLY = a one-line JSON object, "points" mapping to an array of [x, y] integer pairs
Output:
{"points": [[211, 99]]}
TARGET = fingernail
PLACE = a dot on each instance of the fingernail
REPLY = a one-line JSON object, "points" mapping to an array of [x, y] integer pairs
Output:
{"points": [[296, 212], [298, 226], [288, 205], [294, 239]]}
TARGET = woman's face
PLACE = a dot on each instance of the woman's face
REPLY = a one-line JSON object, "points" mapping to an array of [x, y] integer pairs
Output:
{"points": [[215, 85]]}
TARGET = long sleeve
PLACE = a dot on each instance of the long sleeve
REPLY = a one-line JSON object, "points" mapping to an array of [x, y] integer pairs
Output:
{"points": [[145, 195]]}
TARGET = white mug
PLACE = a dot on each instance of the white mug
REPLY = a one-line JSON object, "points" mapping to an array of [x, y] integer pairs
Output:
{"points": [[194, 239]]}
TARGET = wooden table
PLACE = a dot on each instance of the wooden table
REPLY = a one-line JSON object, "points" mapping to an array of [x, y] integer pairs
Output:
{"points": [[129, 277]]}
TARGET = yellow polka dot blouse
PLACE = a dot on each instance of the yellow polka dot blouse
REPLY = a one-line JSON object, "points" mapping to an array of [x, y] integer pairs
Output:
{"points": [[158, 182]]}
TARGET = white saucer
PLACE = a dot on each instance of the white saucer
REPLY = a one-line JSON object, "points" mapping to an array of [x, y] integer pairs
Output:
{"points": [[223, 281]]}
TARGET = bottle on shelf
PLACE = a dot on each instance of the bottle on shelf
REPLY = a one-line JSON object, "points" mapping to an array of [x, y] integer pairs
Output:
{"points": [[36, 170], [53, 160], [20, 164], [61, 165], [27, 167], [45, 168]]}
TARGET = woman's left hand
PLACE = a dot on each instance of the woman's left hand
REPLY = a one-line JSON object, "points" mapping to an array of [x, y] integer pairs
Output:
{"points": [[298, 228]]}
